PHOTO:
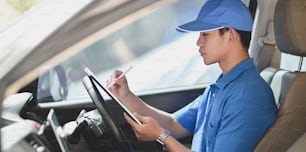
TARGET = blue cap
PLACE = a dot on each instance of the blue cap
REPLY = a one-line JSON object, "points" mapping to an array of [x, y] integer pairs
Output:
{"points": [[216, 14]]}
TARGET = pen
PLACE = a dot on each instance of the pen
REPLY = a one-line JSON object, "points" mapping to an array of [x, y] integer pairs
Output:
{"points": [[120, 76]]}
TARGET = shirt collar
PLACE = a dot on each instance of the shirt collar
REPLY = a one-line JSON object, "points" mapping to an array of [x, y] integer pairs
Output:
{"points": [[223, 80]]}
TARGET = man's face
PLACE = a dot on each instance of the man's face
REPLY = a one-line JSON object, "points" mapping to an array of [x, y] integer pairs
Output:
{"points": [[212, 46]]}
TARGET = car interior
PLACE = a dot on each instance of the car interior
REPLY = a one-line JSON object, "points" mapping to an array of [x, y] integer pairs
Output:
{"points": [[37, 118], [287, 85]]}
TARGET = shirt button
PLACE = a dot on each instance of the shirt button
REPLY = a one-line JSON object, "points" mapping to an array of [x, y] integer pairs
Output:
{"points": [[213, 95]]}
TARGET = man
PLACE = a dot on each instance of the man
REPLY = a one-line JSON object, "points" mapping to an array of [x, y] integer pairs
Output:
{"points": [[232, 114]]}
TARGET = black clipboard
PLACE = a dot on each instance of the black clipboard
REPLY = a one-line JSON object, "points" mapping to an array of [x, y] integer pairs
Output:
{"points": [[104, 88]]}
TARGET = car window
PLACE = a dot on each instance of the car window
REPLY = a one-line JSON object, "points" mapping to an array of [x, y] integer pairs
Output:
{"points": [[10, 10], [162, 58]]}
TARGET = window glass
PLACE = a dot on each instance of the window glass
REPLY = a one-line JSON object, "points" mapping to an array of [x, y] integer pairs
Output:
{"points": [[162, 58], [246, 2], [10, 10]]}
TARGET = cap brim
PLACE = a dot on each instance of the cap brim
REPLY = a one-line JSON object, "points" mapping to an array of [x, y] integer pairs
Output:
{"points": [[198, 26]]}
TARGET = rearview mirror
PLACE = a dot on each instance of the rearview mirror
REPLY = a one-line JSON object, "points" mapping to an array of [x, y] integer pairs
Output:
{"points": [[52, 85]]}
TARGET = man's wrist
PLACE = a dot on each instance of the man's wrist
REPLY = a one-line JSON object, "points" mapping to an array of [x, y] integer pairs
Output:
{"points": [[128, 96], [162, 137]]}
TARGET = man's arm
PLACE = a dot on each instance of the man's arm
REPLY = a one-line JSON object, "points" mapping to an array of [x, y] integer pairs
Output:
{"points": [[150, 130], [121, 90], [166, 120]]}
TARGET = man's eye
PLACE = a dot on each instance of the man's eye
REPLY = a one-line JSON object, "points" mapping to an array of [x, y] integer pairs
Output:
{"points": [[204, 34]]}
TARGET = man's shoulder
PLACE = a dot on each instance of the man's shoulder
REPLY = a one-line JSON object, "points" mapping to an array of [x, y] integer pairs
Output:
{"points": [[251, 84]]}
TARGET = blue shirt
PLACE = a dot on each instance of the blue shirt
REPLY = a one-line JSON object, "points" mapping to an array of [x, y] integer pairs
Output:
{"points": [[232, 114]]}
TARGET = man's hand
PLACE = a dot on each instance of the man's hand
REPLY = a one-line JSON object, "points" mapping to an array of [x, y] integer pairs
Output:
{"points": [[148, 131], [120, 86]]}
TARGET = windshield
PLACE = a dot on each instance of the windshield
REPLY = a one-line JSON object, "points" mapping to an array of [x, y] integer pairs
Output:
{"points": [[31, 28], [162, 58]]}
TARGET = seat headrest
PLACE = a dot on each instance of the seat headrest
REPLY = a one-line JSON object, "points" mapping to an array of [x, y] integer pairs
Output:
{"points": [[290, 26]]}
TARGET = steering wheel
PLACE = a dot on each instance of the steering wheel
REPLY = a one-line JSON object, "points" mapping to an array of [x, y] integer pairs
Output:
{"points": [[119, 136]]}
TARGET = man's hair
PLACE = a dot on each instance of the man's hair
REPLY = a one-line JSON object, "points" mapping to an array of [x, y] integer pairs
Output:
{"points": [[245, 36]]}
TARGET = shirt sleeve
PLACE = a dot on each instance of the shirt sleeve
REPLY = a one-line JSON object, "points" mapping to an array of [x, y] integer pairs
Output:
{"points": [[190, 112]]}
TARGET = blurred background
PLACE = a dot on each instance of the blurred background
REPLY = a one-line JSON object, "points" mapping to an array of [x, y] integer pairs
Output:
{"points": [[12, 9]]}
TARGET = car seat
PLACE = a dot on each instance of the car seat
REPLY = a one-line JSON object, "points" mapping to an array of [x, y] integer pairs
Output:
{"points": [[299, 145], [288, 87]]}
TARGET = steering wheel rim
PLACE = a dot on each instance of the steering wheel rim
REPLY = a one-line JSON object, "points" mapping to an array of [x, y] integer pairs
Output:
{"points": [[119, 135]]}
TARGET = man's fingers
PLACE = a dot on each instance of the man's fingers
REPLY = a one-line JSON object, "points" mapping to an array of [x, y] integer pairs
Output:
{"points": [[116, 74], [135, 126], [139, 117], [130, 121]]}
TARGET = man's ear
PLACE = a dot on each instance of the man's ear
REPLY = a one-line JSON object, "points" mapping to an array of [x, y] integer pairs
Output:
{"points": [[233, 35]]}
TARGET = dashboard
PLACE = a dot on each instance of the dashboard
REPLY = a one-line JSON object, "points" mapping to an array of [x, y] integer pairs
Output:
{"points": [[23, 136], [34, 135]]}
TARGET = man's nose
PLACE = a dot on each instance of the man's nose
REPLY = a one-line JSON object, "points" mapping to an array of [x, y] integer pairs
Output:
{"points": [[200, 41]]}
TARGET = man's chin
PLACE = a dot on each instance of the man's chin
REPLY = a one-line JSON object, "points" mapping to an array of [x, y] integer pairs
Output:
{"points": [[206, 62]]}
